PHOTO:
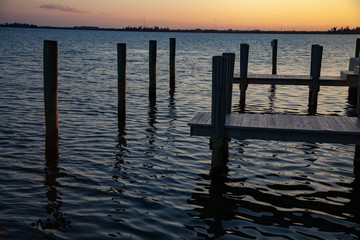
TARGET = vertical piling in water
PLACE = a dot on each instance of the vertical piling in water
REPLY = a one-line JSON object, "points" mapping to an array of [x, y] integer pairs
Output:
{"points": [[172, 63], [244, 59], [121, 60], [218, 108], [357, 147], [315, 69], [274, 45], [353, 91], [152, 69], [51, 98], [229, 80]]}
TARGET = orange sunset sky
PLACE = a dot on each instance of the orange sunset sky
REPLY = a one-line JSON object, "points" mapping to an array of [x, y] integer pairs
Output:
{"points": [[186, 14]]}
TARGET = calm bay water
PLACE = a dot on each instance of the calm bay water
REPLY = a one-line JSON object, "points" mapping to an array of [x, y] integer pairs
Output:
{"points": [[151, 181]]}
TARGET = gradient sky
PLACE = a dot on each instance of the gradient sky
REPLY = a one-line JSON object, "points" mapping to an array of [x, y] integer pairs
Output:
{"points": [[186, 14]]}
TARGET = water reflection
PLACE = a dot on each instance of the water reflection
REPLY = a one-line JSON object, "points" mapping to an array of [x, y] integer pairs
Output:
{"points": [[151, 130], [251, 212], [56, 219], [272, 97]]}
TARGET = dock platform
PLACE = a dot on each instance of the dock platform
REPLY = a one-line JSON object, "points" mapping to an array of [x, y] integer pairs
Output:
{"points": [[302, 128]]}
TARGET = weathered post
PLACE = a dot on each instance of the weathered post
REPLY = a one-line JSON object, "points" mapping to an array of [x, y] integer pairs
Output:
{"points": [[229, 79], [315, 70], [244, 59], [357, 48], [357, 147], [152, 69], [121, 57], [51, 99], [172, 63], [274, 45], [218, 108]]}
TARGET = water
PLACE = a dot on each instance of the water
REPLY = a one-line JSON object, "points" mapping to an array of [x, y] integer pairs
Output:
{"points": [[150, 181]]}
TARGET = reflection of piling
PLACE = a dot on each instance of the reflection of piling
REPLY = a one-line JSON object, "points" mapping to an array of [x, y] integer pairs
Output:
{"points": [[121, 54], [51, 98], [244, 59], [152, 69], [172, 63], [274, 45], [316, 57]]}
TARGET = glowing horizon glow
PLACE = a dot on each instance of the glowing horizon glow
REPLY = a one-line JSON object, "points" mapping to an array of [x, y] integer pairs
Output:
{"points": [[186, 14]]}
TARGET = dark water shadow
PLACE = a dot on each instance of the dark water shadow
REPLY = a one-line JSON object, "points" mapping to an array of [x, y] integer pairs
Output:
{"points": [[152, 129], [56, 219], [122, 146], [249, 213], [272, 98]]}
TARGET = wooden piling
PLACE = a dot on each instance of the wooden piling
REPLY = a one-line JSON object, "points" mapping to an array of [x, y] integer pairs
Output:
{"points": [[152, 69], [51, 99], [172, 63], [121, 57], [357, 48], [315, 70], [274, 45], [244, 59], [219, 142], [357, 147], [229, 79]]}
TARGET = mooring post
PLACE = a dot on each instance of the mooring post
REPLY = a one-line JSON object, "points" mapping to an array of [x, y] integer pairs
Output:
{"points": [[274, 45], [229, 79], [172, 63], [121, 57], [353, 91], [218, 114], [357, 147], [244, 59], [51, 99], [357, 48], [315, 70], [152, 69]]}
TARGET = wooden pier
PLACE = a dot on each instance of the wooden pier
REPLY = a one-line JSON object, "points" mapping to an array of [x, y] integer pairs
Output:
{"points": [[221, 125]]}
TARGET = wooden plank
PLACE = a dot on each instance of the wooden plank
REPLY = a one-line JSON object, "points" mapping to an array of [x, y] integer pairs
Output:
{"points": [[323, 123], [280, 123], [288, 121], [238, 120], [254, 120], [246, 120], [263, 120], [271, 121], [333, 124]]}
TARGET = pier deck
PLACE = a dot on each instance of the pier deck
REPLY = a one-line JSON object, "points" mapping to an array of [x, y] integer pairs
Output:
{"points": [[304, 128]]}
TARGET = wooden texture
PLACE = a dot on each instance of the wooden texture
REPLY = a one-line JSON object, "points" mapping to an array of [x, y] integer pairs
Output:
{"points": [[229, 79], [172, 62], [51, 98], [244, 61], [219, 142], [152, 69], [314, 88], [121, 54], [295, 80], [274, 45], [304, 128]]}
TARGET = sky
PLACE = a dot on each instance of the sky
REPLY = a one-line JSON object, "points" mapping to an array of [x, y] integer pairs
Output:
{"points": [[277, 15]]}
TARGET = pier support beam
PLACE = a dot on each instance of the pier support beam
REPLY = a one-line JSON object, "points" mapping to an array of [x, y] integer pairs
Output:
{"points": [[152, 69], [274, 45], [223, 70], [357, 147], [316, 57], [172, 63], [121, 54], [244, 59], [51, 99]]}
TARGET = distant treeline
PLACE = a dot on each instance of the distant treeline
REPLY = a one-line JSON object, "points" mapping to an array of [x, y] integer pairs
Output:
{"points": [[333, 30], [345, 30]]}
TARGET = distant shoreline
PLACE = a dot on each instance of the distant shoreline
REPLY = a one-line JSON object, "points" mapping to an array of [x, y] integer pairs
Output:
{"points": [[157, 29]]}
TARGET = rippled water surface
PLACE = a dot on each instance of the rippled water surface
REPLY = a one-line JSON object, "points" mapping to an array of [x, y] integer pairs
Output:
{"points": [[150, 180]]}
